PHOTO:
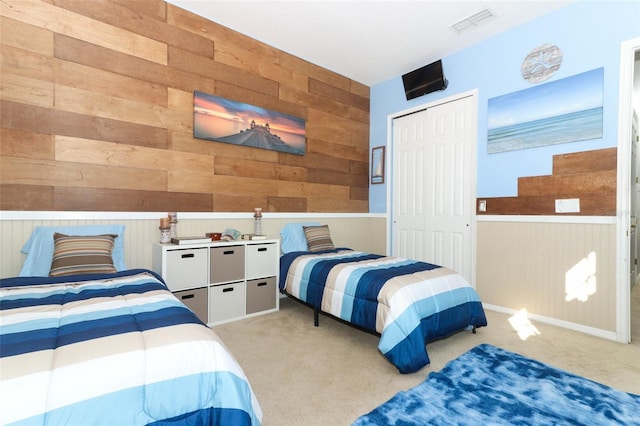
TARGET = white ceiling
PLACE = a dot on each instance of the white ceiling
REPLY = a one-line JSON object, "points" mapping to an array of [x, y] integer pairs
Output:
{"points": [[368, 41]]}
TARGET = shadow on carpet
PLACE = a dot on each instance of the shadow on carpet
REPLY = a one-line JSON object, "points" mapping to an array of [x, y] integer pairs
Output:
{"points": [[491, 386]]}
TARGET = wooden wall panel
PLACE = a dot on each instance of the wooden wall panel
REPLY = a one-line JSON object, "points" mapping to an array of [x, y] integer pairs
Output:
{"points": [[259, 169], [146, 18], [26, 197], [578, 162], [331, 92], [287, 204], [188, 181], [112, 107], [73, 199], [233, 203], [84, 175], [26, 37], [108, 83], [590, 176], [18, 116], [15, 143], [96, 106], [114, 154], [355, 153], [44, 15], [567, 186], [98, 57], [153, 9], [21, 89]]}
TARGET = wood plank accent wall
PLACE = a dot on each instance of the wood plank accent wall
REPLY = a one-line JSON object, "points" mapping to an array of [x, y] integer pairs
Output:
{"points": [[96, 101], [588, 175]]}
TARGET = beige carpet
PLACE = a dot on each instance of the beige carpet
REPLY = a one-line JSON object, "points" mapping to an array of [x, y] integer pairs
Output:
{"points": [[330, 375]]}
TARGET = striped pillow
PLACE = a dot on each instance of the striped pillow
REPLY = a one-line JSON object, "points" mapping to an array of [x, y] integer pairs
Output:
{"points": [[87, 254], [318, 238]]}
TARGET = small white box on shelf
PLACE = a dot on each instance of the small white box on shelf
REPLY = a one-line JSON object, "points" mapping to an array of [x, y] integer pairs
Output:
{"points": [[190, 240], [253, 237]]}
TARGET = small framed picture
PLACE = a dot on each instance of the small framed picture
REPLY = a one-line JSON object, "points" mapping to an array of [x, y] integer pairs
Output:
{"points": [[377, 165]]}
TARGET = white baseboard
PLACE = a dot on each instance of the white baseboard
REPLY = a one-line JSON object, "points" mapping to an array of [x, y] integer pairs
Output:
{"points": [[605, 334]]}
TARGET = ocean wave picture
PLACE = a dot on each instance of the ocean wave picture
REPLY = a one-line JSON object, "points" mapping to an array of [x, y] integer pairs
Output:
{"points": [[562, 111]]}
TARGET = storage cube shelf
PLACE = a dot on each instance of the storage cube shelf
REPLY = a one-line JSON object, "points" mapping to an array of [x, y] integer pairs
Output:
{"points": [[222, 281]]}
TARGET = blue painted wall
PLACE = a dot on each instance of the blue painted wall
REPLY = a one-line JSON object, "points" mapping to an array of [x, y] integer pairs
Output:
{"points": [[589, 33]]}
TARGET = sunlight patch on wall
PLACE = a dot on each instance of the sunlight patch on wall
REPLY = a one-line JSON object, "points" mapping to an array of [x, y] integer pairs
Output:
{"points": [[521, 324], [580, 281]]}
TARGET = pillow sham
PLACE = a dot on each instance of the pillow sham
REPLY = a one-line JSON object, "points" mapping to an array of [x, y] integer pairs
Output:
{"points": [[293, 237], [73, 254], [318, 238], [39, 246]]}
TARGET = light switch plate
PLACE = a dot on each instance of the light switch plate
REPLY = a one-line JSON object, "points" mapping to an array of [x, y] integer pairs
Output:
{"points": [[568, 205]]}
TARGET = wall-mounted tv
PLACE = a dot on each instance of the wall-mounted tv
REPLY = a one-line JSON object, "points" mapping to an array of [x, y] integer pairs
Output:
{"points": [[427, 79]]}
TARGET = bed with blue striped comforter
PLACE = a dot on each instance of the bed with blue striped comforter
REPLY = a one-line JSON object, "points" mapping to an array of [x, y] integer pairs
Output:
{"points": [[115, 349], [409, 303]]}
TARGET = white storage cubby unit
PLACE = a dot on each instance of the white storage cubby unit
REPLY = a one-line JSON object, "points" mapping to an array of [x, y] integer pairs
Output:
{"points": [[222, 281]]}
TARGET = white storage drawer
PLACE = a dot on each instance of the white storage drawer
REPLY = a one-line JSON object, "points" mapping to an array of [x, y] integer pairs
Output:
{"points": [[226, 301], [187, 268], [262, 260]]}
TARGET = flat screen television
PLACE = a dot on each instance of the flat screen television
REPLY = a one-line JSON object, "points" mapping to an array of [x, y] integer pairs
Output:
{"points": [[427, 79]]}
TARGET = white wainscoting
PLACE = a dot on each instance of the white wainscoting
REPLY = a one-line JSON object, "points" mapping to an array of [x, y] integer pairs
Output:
{"points": [[364, 232], [564, 271]]}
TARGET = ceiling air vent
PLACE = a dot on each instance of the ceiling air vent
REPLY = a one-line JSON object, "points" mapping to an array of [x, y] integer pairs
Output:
{"points": [[472, 21]]}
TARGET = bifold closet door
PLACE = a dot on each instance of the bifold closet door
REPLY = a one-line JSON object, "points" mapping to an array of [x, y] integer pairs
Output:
{"points": [[433, 185]]}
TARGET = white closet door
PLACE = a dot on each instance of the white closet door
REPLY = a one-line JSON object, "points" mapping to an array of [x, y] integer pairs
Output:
{"points": [[433, 185]]}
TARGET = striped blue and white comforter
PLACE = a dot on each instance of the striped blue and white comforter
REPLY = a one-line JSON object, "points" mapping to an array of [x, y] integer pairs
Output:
{"points": [[115, 351], [407, 302]]}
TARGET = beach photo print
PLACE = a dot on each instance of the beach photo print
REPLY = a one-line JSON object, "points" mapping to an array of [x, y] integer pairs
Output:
{"points": [[561, 111]]}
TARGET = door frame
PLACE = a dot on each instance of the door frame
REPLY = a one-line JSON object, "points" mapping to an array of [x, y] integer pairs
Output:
{"points": [[474, 160], [623, 222]]}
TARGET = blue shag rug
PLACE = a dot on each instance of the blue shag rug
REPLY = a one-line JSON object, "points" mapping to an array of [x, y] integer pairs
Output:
{"points": [[492, 386]]}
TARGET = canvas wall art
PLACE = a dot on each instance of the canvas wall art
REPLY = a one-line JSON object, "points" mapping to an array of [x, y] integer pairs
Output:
{"points": [[223, 120], [561, 111], [377, 165]]}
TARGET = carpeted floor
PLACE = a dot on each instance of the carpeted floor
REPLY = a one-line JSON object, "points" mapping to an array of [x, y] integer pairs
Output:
{"points": [[491, 386], [333, 374]]}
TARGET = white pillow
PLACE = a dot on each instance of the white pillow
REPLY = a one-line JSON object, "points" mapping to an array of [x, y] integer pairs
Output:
{"points": [[39, 246], [293, 237]]}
